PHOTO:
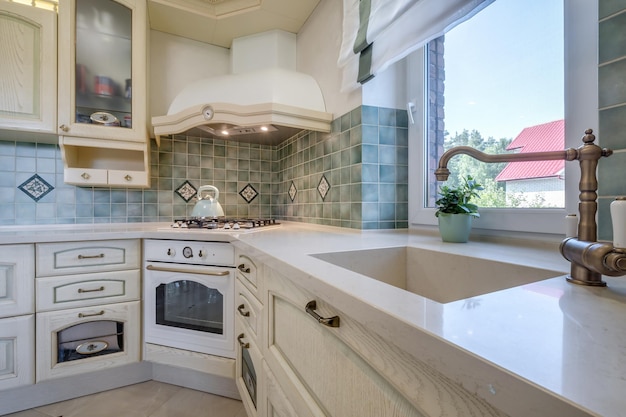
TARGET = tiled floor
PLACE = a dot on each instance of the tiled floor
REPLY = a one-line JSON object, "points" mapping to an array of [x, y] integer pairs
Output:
{"points": [[148, 399]]}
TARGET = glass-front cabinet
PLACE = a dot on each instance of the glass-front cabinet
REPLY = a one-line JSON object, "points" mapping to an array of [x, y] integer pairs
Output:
{"points": [[102, 69], [102, 97]]}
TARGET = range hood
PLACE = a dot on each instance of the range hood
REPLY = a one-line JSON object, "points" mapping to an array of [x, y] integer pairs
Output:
{"points": [[256, 105]]}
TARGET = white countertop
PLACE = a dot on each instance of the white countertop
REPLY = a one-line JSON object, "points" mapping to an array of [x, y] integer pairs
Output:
{"points": [[518, 348]]}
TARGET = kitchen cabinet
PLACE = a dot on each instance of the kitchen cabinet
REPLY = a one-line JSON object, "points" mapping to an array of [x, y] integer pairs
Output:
{"points": [[249, 377], [17, 324], [88, 306], [29, 69], [102, 100], [347, 370]]}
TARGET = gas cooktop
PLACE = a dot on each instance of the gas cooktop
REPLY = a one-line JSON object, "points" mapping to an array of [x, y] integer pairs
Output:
{"points": [[221, 223]]}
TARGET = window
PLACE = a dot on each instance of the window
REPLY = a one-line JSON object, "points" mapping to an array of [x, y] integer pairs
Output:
{"points": [[500, 80]]}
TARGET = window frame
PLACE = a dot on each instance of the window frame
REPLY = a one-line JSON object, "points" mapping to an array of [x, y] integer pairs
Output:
{"points": [[581, 113]]}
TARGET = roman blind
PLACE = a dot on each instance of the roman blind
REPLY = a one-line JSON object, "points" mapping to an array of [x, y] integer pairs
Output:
{"points": [[378, 33]]}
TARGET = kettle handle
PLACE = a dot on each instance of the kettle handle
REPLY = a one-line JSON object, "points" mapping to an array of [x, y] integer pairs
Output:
{"points": [[208, 188]]}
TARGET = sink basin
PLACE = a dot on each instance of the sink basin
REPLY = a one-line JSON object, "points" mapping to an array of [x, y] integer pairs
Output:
{"points": [[442, 277]]}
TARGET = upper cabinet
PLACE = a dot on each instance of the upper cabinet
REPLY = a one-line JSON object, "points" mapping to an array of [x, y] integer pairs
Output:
{"points": [[102, 100], [28, 71], [102, 69]]}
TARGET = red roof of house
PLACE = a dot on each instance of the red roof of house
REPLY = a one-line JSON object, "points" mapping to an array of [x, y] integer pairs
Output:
{"points": [[544, 137]]}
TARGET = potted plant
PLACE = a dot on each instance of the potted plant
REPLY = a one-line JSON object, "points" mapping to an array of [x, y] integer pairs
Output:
{"points": [[455, 210]]}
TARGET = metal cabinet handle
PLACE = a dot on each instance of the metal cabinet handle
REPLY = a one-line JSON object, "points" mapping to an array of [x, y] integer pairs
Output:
{"points": [[83, 315], [91, 256], [244, 269], [85, 176], [242, 312], [64, 128], [188, 271], [80, 290], [326, 321], [244, 345], [128, 177]]}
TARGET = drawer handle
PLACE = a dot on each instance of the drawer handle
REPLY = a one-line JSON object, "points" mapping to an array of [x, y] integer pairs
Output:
{"points": [[85, 176], [64, 128], [91, 256], [80, 290], [243, 313], [128, 177], [83, 315], [243, 269], [326, 321], [244, 345]]}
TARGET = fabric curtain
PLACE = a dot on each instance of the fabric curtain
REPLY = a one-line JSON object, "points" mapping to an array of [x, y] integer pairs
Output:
{"points": [[378, 33]]}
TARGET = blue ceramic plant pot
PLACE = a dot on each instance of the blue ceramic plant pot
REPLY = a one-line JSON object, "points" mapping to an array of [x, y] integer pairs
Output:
{"points": [[455, 227]]}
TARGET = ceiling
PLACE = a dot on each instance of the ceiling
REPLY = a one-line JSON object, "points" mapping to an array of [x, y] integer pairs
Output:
{"points": [[218, 22]]}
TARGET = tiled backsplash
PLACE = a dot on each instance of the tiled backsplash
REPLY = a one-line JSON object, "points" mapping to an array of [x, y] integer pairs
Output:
{"points": [[363, 162], [612, 103]]}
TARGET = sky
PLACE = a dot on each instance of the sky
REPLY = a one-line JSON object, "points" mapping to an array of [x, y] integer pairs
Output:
{"points": [[504, 68]]}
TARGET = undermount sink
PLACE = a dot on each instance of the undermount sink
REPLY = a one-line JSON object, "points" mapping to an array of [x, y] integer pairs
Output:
{"points": [[439, 276]]}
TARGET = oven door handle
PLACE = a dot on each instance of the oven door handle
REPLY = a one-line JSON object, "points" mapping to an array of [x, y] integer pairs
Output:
{"points": [[187, 271]]}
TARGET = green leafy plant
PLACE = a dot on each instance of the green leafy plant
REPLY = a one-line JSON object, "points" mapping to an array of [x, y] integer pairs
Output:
{"points": [[456, 200]]}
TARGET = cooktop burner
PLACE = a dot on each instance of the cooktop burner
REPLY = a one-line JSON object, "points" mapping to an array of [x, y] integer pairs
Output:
{"points": [[221, 223]]}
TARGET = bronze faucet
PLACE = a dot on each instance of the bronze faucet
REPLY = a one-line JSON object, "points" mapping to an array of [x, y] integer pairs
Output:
{"points": [[589, 258]]}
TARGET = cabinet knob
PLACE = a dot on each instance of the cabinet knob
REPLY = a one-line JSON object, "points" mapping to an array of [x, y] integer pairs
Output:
{"points": [[85, 176], [128, 177], [64, 128]]}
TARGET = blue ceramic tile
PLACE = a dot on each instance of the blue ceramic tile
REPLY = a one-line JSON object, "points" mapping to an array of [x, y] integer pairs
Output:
{"points": [[7, 148], [369, 115], [387, 117], [36, 187], [25, 149]]}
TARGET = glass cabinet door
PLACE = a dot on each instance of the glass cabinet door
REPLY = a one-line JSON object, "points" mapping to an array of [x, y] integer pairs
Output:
{"points": [[103, 63], [102, 68]]}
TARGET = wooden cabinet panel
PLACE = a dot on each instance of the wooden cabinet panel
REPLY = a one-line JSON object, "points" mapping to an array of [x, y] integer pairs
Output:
{"points": [[29, 68], [17, 280], [17, 351]]}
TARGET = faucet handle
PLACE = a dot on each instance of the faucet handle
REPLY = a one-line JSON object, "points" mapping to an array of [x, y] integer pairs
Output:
{"points": [[618, 217]]}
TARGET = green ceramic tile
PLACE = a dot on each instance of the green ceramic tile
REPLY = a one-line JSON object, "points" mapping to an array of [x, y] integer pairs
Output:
{"points": [[613, 128], [612, 84], [611, 175], [369, 115], [612, 38], [387, 117], [605, 225], [355, 117], [610, 7]]}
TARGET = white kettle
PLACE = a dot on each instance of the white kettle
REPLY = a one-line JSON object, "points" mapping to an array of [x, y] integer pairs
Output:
{"points": [[207, 206]]}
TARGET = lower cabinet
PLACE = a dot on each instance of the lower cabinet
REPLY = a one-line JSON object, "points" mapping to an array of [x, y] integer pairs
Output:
{"points": [[17, 351], [308, 357]]}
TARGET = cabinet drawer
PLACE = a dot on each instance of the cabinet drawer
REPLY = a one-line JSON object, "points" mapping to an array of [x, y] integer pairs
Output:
{"points": [[128, 178], [248, 272], [85, 176], [81, 290], [17, 280], [49, 325], [83, 257], [249, 310]]}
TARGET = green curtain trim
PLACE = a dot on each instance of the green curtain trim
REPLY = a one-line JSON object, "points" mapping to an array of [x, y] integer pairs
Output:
{"points": [[360, 43], [365, 65]]}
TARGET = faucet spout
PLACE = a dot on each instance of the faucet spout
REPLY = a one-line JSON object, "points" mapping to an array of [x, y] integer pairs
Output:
{"points": [[589, 259]]}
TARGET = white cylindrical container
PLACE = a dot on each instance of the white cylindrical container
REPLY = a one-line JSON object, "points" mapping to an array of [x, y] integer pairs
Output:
{"points": [[618, 217], [571, 225]]}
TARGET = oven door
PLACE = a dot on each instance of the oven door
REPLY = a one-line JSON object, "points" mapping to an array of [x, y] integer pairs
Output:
{"points": [[190, 307]]}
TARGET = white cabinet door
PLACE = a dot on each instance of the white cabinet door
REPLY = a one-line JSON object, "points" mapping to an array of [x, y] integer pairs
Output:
{"points": [[102, 69], [17, 351], [17, 280], [29, 68], [315, 359]]}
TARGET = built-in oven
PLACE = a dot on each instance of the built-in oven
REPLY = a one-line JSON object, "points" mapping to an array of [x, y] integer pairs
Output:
{"points": [[189, 293]]}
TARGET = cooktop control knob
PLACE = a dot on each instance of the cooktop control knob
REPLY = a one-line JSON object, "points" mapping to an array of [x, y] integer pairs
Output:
{"points": [[202, 254], [187, 252], [171, 252]]}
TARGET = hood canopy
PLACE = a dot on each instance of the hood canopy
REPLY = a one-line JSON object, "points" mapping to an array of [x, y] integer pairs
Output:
{"points": [[241, 106]]}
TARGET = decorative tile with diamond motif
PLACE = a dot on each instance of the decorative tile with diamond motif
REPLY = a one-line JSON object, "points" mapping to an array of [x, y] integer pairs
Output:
{"points": [[293, 191], [248, 193], [323, 187], [36, 187], [186, 191]]}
